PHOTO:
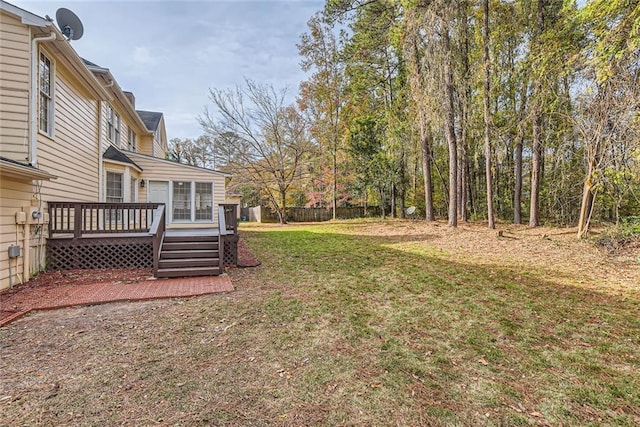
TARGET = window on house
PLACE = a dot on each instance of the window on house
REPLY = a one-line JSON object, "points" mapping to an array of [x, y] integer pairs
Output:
{"points": [[114, 187], [113, 126], [132, 140], [204, 201], [46, 95], [114, 195], [182, 200]]}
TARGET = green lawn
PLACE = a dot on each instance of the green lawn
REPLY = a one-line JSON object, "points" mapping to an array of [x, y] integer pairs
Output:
{"points": [[339, 327], [440, 340]]}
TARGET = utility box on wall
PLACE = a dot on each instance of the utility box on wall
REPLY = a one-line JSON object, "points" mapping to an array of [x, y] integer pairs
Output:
{"points": [[14, 251], [21, 217]]}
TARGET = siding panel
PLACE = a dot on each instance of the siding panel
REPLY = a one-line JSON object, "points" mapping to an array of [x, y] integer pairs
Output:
{"points": [[14, 88], [72, 154], [15, 195]]}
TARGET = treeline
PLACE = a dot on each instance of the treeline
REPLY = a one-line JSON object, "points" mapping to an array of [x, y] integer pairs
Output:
{"points": [[521, 110]]}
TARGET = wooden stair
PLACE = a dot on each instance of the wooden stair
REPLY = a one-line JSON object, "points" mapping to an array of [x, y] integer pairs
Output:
{"points": [[185, 255]]}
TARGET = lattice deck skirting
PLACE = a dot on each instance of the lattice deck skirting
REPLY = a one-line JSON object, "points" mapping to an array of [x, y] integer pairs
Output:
{"points": [[231, 250], [93, 253]]}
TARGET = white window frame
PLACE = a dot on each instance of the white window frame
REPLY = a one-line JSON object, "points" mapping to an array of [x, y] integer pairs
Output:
{"points": [[132, 140], [47, 96], [173, 201], [108, 216], [106, 189], [195, 202], [113, 125], [192, 202]]}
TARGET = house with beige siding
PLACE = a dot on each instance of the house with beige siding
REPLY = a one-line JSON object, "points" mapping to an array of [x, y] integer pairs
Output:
{"points": [[78, 160]]}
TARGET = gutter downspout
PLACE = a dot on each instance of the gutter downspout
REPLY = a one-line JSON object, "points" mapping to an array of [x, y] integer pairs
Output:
{"points": [[33, 145], [26, 248], [100, 144]]}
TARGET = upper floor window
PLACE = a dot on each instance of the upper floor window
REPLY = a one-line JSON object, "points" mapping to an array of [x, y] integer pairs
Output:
{"points": [[45, 70], [132, 140], [113, 126]]}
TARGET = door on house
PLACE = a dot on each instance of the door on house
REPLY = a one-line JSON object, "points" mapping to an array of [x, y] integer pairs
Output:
{"points": [[159, 193]]}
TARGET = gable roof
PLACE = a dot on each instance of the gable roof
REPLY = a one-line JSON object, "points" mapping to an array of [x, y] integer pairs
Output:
{"points": [[151, 119], [113, 154], [178, 164]]}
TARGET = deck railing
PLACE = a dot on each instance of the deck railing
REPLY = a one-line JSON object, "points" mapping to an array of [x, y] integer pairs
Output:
{"points": [[228, 214], [157, 231], [81, 218]]}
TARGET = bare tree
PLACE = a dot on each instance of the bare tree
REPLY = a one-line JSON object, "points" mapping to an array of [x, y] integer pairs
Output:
{"points": [[607, 124], [182, 151], [269, 140]]}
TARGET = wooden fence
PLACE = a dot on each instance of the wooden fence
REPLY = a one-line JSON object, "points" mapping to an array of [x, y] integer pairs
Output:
{"points": [[298, 214]]}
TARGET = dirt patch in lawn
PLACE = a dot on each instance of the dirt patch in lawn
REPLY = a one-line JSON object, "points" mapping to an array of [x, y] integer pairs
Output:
{"points": [[555, 252]]}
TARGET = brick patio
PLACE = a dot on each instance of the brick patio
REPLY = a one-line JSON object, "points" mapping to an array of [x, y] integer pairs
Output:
{"points": [[16, 305]]}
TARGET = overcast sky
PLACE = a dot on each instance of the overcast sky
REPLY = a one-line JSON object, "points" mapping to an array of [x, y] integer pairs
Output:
{"points": [[169, 53]]}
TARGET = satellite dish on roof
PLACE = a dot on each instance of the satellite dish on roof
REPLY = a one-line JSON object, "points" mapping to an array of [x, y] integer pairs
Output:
{"points": [[69, 24]]}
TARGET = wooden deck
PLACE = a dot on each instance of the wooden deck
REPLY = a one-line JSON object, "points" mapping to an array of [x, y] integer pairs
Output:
{"points": [[125, 235], [172, 232]]}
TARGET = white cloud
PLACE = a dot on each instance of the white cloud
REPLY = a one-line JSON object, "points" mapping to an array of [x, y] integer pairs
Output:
{"points": [[141, 56], [170, 53]]}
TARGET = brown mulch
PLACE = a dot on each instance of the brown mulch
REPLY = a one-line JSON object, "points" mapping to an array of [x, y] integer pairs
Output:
{"points": [[245, 257]]}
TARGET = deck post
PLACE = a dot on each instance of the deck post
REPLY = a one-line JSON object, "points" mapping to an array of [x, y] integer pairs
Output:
{"points": [[77, 220]]}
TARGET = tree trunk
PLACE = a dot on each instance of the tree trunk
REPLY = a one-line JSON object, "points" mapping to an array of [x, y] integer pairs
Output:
{"points": [[403, 183], [283, 212], [426, 169], [536, 168], [517, 167], [517, 171], [450, 132], [487, 113], [464, 109], [335, 180], [537, 150], [394, 214], [585, 208], [470, 184], [462, 177]]}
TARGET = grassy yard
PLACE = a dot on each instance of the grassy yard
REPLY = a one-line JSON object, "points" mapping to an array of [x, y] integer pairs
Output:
{"points": [[353, 323]]}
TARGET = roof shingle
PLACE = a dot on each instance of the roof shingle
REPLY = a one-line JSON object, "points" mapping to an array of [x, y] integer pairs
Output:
{"points": [[151, 119]]}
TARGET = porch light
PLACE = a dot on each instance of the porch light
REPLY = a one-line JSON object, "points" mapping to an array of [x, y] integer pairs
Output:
{"points": [[142, 183]]}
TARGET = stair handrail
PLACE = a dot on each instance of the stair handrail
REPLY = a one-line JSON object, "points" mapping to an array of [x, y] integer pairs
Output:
{"points": [[157, 230], [222, 229], [222, 221]]}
